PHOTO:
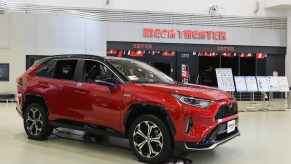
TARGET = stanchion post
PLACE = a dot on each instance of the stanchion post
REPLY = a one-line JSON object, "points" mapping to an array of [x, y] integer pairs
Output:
{"points": [[270, 98], [264, 100], [289, 100]]}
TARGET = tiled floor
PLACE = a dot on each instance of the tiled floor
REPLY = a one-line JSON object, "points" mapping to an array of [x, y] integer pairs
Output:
{"points": [[265, 140]]}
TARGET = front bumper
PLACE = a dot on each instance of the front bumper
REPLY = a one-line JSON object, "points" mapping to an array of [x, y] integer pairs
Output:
{"points": [[210, 146], [217, 137]]}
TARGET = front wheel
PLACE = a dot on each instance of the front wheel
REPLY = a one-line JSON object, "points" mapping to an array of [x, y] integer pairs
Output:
{"points": [[36, 122], [150, 139]]}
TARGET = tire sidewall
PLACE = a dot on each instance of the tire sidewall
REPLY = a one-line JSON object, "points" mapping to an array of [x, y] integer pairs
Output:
{"points": [[167, 139], [46, 129]]}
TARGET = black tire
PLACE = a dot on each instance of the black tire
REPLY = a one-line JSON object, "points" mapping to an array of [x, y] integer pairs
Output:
{"points": [[36, 122], [159, 130]]}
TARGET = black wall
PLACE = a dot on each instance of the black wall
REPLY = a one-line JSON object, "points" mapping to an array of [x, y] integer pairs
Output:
{"points": [[275, 63]]}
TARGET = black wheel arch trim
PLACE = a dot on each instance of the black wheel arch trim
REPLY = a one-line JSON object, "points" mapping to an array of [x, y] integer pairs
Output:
{"points": [[36, 95], [156, 107]]}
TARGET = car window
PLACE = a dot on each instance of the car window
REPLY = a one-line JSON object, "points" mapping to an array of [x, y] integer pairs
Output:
{"points": [[65, 69], [47, 69], [94, 71], [139, 72]]}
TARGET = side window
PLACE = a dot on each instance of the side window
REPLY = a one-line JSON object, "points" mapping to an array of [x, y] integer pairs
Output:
{"points": [[95, 71], [65, 69], [47, 69]]}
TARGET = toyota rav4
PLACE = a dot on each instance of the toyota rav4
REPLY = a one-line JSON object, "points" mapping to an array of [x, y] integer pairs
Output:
{"points": [[124, 98]]}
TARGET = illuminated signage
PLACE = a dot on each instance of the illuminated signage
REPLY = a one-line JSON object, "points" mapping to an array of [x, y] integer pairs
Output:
{"points": [[184, 34]]}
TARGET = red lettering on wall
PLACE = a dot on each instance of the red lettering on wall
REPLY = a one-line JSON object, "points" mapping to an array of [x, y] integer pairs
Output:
{"points": [[195, 34], [157, 33], [164, 33], [184, 34], [202, 34], [222, 35], [209, 34], [188, 34], [180, 34], [215, 35], [172, 33], [148, 32]]}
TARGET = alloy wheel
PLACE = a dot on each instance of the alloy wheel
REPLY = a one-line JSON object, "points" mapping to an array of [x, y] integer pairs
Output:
{"points": [[34, 121], [148, 139]]}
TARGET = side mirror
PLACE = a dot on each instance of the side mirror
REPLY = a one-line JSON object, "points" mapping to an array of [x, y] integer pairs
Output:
{"points": [[111, 86]]}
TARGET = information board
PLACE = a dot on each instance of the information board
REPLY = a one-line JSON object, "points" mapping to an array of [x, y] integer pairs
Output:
{"points": [[240, 84], [251, 84], [273, 84], [283, 83], [225, 79], [263, 85]]}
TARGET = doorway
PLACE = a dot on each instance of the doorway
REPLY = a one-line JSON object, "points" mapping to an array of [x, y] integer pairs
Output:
{"points": [[164, 67]]}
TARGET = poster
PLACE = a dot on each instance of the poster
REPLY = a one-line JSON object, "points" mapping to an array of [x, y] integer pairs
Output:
{"points": [[251, 84], [225, 79], [273, 84], [283, 83], [263, 83], [185, 73], [240, 84]]}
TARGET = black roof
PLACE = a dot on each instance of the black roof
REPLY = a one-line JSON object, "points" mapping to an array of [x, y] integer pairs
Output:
{"points": [[83, 56]]}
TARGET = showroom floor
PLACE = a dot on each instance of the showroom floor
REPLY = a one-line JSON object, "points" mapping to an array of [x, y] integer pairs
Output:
{"points": [[265, 140]]}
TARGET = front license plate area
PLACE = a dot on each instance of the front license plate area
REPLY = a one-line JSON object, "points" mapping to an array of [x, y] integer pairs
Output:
{"points": [[230, 126]]}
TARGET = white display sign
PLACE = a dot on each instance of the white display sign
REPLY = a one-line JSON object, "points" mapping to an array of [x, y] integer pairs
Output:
{"points": [[240, 84], [251, 84], [263, 83], [225, 79], [273, 84], [283, 83]]}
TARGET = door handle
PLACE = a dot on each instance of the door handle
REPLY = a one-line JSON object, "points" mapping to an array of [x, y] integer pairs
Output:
{"points": [[44, 85], [81, 92]]}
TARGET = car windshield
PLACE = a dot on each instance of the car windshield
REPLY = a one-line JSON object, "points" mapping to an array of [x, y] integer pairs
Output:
{"points": [[139, 72]]}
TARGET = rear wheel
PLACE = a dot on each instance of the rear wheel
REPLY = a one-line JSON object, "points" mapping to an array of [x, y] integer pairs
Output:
{"points": [[150, 139], [36, 122]]}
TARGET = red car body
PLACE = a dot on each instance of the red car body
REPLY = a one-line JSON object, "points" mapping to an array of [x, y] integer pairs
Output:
{"points": [[99, 106]]}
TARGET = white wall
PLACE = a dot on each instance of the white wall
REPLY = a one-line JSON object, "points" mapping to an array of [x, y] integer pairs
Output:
{"points": [[230, 7], [45, 34]]}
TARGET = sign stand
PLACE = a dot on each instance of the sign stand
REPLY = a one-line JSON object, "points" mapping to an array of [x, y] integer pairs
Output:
{"points": [[270, 99], [289, 99], [264, 100]]}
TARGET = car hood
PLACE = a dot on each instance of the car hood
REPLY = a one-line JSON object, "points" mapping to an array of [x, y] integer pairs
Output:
{"points": [[193, 90]]}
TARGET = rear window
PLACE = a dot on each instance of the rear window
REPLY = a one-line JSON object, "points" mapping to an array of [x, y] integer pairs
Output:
{"points": [[65, 69], [47, 69]]}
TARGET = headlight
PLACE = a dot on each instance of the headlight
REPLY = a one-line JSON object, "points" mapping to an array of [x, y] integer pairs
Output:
{"points": [[200, 103]]}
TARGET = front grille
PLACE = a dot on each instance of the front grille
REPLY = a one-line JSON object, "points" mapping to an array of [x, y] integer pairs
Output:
{"points": [[225, 111]]}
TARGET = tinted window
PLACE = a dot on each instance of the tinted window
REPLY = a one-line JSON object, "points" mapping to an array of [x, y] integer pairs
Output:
{"points": [[65, 69], [95, 71], [47, 69]]}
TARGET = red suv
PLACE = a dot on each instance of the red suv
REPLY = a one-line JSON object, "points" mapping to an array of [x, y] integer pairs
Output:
{"points": [[124, 98]]}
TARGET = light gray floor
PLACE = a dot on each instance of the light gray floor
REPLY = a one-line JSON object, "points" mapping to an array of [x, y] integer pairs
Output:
{"points": [[266, 139]]}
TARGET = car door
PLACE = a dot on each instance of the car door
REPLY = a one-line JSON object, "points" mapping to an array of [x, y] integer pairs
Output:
{"points": [[95, 102], [58, 87]]}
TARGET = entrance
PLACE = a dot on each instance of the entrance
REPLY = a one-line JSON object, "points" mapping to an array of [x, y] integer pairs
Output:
{"points": [[164, 67]]}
